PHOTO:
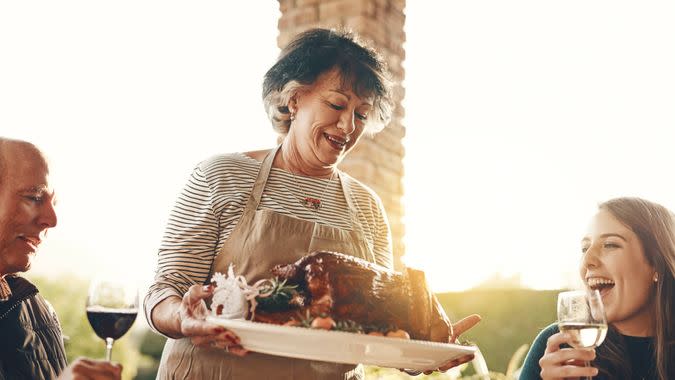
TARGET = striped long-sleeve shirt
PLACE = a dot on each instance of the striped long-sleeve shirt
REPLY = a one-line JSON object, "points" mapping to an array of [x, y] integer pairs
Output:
{"points": [[214, 198]]}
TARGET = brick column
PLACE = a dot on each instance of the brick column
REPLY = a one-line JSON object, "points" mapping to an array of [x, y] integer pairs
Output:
{"points": [[376, 161]]}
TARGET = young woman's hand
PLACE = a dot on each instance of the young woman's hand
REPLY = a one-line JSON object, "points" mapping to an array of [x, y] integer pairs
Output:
{"points": [[192, 314], [562, 363]]}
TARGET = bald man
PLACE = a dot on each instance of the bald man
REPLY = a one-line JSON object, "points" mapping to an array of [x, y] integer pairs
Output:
{"points": [[32, 344]]}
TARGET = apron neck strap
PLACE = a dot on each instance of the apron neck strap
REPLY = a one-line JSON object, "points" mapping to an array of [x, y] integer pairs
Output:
{"points": [[259, 185], [345, 181], [263, 174]]}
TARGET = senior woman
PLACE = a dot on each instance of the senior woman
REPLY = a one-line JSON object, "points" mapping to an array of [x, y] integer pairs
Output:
{"points": [[259, 209]]}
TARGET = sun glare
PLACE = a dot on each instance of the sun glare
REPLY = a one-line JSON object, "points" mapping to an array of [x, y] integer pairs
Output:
{"points": [[520, 117]]}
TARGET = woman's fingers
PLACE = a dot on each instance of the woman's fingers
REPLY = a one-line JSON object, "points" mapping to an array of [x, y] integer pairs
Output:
{"points": [[193, 304], [197, 293], [193, 312], [445, 366], [563, 356], [232, 337], [238, 350], [196, 327], [455, 362], [463, 325], [458, 328], [567, 371], [554, 341], [560, 363], [227, 341], [222, 339]]}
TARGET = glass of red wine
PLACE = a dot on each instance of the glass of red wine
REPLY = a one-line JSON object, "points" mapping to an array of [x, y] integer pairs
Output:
{"points": [[112, 306]]}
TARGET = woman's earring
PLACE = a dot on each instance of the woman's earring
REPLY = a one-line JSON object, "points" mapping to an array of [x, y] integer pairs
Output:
{"points": [[656, 277], [292, 116]]}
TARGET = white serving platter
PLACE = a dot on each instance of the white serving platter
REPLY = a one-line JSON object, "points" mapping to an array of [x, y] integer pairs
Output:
{"points": [[342, 347]]}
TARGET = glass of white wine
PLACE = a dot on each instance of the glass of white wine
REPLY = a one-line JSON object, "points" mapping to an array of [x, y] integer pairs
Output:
{"points": [[582, 315]]}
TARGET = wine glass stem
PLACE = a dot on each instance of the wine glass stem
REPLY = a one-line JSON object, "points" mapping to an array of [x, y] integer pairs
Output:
{"points": [[587, 364], [108, 348]]}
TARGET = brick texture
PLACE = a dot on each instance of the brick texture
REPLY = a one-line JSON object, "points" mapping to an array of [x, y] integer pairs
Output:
{"points": [[377, 161]]}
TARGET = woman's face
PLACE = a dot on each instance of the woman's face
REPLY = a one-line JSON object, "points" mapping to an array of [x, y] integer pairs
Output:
{"points": [[329, 120], [614, 262]]}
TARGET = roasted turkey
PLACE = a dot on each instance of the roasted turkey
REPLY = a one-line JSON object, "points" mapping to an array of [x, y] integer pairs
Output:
{"points": [[347, 288]]}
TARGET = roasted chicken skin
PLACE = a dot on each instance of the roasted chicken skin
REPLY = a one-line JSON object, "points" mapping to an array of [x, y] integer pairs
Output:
{"points": [[348, 288]]}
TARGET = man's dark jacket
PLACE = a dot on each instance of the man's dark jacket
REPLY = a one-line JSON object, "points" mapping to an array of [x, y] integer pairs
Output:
{"points": [[31, 343]]}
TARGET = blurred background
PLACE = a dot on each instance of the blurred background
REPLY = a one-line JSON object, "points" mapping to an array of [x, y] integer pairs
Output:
{"points": [[516, 118]]}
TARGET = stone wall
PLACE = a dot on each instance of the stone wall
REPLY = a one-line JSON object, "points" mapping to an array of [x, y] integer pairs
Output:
{"points": [[376, 161]]}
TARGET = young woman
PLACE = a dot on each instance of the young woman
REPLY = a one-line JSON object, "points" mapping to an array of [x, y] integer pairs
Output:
{"points": [[629, 255]]}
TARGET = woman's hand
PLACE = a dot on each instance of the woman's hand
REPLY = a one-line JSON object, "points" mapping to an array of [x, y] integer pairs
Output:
{"points": [[457, 329], [192, 314], [89, 369], [561, 363]]}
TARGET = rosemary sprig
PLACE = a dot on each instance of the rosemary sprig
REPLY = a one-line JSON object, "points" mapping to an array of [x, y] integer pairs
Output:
{"points": [[280, 297]]}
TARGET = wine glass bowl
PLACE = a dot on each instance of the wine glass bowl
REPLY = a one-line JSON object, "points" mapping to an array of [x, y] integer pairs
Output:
{"points": [[112, 306], [581, 314]]}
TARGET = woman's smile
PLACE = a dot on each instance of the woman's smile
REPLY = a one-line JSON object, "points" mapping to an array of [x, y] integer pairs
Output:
{"points": [[328, 121], [603, 285], [336, 142], [614, 263]]}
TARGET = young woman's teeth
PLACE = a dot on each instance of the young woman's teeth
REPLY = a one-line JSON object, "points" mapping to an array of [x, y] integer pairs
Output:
{"points": [[597, 283]]}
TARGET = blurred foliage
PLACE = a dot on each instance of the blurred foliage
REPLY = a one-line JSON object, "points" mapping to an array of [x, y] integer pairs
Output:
{"points": [[377, 373], [68, 295], [151, 347], [511, 318]]}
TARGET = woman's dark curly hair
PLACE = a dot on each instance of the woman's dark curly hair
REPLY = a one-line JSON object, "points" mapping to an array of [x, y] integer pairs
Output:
{"points": [[317, 51]]}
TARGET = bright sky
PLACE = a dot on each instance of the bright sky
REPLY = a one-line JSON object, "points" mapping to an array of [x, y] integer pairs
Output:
{"points": [[520, 117]]}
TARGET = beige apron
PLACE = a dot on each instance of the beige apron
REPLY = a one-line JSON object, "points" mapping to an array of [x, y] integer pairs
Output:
{"points": [[260, 240]]}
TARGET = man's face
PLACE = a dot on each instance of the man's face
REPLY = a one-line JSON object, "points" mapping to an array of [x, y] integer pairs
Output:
{"points": [[26, 207]]}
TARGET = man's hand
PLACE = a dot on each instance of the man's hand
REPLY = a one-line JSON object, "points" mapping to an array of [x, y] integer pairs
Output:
{"points": [[90, 369]]}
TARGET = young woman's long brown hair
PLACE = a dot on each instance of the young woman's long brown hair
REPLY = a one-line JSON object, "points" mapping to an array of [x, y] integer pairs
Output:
{"points": [[654, 225]]}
